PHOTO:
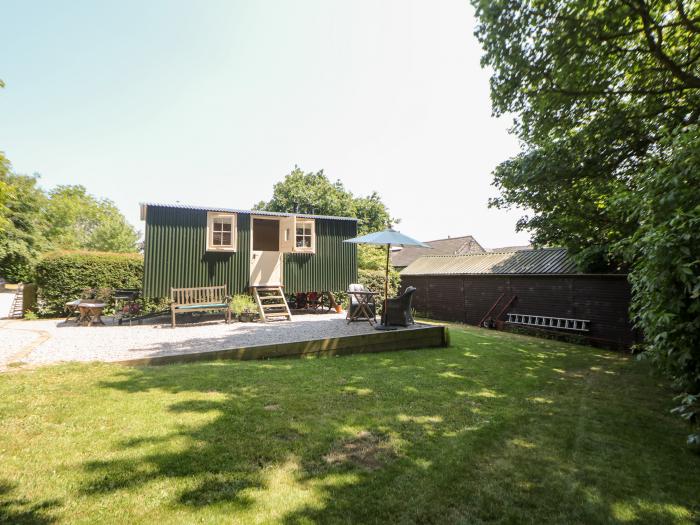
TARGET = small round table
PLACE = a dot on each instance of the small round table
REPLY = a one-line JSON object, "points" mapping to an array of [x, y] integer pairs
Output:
{"points": [[91, 312]]}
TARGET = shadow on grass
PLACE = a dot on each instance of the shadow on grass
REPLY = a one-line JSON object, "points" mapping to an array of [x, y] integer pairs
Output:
{"points": [[22, 511], [515, 431]]}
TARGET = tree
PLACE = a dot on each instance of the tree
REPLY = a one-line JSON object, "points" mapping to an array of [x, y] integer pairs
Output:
{"points": [[71, 215], [309, 193], [4, 191], [32, 222], [607, 101], [21, 224], [77, 220], [112, 233], [593, 86], [314, 193], [665, 255], [372, 213]]}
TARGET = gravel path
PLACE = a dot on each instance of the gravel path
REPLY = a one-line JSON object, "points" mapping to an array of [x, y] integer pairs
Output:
{"points": [[57, 341], [17, 340]]}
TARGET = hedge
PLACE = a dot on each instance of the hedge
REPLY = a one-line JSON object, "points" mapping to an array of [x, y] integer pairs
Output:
{"points": [[374, 281], [62, 276]]}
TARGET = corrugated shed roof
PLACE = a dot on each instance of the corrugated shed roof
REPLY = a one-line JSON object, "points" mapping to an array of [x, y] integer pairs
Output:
{"points": [[511, 248], [451, 246], [145, 205], [540, 261]]}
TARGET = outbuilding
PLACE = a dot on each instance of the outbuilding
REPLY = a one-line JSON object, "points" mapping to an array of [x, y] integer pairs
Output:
{"points": [[536, 288], [197, 246]]}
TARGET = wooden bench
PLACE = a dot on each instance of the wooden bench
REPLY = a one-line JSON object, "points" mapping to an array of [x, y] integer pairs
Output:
{"points": [[199, 300]]}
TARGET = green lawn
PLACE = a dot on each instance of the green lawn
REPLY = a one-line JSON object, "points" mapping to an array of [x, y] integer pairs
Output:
{"points": [[498, 428]]}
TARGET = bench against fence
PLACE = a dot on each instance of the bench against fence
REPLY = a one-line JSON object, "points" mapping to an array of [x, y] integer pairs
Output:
{"points": [[200, 299]]}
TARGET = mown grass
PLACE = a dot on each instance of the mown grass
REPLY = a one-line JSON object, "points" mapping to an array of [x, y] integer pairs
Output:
{"points": [[498, 428]]}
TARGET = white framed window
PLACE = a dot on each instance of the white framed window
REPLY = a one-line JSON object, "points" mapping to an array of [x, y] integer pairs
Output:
{"points": [[221, 232], [305, 236]]}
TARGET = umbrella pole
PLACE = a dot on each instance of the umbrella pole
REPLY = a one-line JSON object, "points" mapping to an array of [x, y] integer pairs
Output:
{"points": [[386, 284]]}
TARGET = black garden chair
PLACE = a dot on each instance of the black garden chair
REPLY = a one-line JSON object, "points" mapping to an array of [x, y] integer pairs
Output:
{"points": [[398, 309]]}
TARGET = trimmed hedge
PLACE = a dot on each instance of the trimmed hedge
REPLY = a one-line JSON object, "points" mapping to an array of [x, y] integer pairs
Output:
{"points": [[63, 275]]}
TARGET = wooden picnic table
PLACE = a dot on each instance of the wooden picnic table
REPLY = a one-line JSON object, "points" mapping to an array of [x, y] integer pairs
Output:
{"points": [[72, 308], [91, 312], [363, 298]]}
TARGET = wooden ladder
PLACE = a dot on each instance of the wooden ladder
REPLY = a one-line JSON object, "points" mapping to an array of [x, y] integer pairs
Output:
{"points": [[508, 303], [272, 304]]}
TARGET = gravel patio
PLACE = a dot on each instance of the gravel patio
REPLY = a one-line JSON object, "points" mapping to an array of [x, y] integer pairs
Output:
{"points": [[52, 340]]}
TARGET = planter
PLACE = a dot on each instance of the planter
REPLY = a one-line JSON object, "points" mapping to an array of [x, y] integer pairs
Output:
{"points": [[247, 317], [338, 309]]}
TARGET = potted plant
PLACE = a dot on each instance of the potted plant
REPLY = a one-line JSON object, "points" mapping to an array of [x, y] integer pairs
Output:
{"points": [[247, 316], [243, 308]]}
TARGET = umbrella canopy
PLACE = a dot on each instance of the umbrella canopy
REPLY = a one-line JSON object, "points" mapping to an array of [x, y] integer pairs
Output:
{"points": [[388, 236]]}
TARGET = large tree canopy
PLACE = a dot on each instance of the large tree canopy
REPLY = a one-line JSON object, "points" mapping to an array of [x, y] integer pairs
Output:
{"points": [[77, 220], [314, 193], [606, 98], [22, 205], [594, 87], [33, 221]]}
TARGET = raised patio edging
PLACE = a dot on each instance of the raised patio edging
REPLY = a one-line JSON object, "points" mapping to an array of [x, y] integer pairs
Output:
{"points": [[423, 337]]}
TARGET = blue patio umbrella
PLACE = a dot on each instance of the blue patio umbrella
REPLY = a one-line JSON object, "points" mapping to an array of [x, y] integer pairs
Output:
{"points": [[388, 238]]}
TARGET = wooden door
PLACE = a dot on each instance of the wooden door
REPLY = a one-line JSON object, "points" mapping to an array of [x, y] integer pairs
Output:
{"points": [[265, 255]]}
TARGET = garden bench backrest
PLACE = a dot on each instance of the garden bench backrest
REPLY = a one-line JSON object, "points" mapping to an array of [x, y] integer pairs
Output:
{"points": [[203, 295]]}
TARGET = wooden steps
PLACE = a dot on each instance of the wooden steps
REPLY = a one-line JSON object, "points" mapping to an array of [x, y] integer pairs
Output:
{"points": [[17, 303], [272, 304]]}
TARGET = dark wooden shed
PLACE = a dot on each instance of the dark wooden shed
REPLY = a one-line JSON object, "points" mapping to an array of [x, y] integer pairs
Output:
{"points": [[540, 289]]}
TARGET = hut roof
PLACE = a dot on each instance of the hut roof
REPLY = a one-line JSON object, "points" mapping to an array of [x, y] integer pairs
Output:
{"points": [[145, 205]]}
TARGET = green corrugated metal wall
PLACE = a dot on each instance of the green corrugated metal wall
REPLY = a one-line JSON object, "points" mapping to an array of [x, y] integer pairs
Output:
{"points": [[176, 256], [334, 265], [175, 253]]}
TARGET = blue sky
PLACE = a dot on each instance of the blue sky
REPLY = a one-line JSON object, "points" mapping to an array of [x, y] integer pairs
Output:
{"points": [[212, 102]]}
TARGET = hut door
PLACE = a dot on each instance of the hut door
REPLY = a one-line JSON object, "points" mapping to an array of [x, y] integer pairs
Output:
{"points": [[265, 256], [287, 232]]}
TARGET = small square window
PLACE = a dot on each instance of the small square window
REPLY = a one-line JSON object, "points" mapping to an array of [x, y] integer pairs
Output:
{"points": [[221, 228], [304, 241]]}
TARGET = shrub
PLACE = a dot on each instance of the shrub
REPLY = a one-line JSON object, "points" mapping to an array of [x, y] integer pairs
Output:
{"points": [[341, 297], [371, 257], [154, 304], [63, 276], [242, 302], [665, 276], [374, 281]]}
